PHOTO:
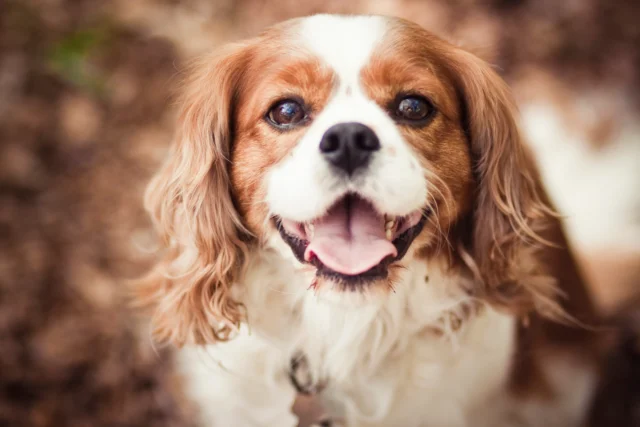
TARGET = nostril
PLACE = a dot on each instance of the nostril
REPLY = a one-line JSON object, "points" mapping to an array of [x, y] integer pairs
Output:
{"points": [[360, 140], [330, 143], [366, 141]]}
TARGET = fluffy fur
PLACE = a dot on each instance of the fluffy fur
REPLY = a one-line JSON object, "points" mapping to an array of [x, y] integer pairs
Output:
{"points": [[474, 326]]}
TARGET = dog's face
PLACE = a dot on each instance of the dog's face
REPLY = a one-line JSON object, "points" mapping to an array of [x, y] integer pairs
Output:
{"points": [[349, 147], [353, 143]]}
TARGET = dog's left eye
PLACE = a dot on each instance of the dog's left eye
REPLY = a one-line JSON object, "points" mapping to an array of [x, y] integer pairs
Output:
{"points": [[286, 113], [413, 109]]}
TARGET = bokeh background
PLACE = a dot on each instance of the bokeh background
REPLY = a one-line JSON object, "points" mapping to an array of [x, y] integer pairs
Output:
{"points": [[86, 116]]}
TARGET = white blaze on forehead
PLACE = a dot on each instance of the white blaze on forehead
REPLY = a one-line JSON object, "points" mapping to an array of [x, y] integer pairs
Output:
{"points": [[345, 43]]}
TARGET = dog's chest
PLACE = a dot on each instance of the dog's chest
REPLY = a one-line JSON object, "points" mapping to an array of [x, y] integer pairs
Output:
{"points": [[428, 378], [410, 358]]}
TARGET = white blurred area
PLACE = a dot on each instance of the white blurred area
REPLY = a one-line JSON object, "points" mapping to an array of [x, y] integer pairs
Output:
{"points": [[595, 184], [593, 177]]}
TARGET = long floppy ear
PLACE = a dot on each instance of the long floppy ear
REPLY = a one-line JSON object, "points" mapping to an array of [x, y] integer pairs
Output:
{"points": [[511, 214], [191, 206]]}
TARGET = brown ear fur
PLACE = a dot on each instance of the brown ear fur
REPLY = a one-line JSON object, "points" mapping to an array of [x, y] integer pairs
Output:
{"points": [[511, 211], [191, 207]]}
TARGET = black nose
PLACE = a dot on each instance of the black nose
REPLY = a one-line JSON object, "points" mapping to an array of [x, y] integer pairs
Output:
{"points": [[349, 145]]}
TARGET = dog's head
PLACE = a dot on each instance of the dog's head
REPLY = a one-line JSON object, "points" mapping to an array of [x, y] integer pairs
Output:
{"points": [[358, 143]]}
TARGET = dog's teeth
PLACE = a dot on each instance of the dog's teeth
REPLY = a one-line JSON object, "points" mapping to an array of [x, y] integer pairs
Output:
{"points": [[389, 234], [390, 225], [309, 229]]}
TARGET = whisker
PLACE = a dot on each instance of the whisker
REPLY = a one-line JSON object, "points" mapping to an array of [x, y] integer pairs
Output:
{"points": [[441, 189]]}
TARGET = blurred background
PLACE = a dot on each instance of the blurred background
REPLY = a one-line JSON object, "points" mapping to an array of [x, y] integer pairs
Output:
{"points": [[86, 116]]}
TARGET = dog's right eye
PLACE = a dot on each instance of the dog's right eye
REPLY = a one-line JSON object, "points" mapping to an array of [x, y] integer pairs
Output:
{"points": [[286, 114]]}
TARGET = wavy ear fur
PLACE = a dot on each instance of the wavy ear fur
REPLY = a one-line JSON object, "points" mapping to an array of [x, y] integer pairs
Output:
{"points": [[191, 206], [511, 213]]}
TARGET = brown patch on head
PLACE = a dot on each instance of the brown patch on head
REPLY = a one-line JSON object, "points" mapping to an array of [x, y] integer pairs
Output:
{"points": [[258, 145], [489, 207], [407, 63]]}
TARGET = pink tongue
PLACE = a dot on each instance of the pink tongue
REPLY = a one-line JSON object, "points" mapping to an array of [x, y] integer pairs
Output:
{"points": [[350, 238]]}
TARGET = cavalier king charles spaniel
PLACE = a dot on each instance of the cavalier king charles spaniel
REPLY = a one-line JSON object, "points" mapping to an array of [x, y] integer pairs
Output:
{"points": [[349, 210]]}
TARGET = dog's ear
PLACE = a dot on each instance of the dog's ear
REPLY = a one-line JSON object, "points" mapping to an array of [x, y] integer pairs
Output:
{"points": [[191, 206], [510, 211]]}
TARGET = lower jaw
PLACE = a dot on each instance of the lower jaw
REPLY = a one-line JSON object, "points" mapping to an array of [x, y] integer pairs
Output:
{"points": [[358, 282], [352, 293]]}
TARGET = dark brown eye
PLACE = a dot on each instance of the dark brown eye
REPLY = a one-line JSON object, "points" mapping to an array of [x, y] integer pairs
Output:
{"points": [[414, 109], [286, 113]]}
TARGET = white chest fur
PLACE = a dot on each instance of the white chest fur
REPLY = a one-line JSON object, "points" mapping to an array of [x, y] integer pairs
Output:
{"points": [[393, 361]]}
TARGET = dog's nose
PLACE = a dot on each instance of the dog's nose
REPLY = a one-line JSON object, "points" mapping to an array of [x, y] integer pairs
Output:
{"points": [[349, 146]]}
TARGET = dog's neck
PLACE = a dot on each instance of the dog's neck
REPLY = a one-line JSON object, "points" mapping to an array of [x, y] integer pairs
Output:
{"points": [[342, 337]]}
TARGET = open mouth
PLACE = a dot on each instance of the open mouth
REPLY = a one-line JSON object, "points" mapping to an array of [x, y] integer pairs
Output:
{"points": [[352, 243]]}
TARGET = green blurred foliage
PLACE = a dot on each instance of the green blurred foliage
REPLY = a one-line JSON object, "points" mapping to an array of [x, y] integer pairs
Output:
{"points": [[71, 58]]}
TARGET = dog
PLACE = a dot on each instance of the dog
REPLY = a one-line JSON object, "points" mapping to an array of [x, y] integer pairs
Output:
{"points": [[352, 195]]}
